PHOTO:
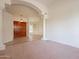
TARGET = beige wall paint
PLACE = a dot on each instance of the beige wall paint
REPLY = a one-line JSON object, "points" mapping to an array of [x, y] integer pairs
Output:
{"points": [[63, 23]]}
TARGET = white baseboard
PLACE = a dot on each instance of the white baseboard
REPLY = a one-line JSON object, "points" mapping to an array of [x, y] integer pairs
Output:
{"points": [[2, 47], [7, 40], [66, 43], [44, 38]]}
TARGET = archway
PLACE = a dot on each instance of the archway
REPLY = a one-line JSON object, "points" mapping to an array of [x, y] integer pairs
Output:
{"points": [[41, 11]]}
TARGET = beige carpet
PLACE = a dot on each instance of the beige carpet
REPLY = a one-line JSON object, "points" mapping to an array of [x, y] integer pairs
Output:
{"points": [[24, 39], [42, 50]]}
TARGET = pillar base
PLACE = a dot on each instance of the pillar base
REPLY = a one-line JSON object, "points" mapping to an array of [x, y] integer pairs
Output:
{"points": [[2, 47]]}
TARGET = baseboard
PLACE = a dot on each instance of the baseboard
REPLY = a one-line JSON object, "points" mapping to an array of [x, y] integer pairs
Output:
{"points": [[6, 41], [66, 43], [2, 47], [44, 38]]}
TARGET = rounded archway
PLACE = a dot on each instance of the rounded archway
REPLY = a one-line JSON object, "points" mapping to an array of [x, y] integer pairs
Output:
{"points": [[41, 11], [31, 3]]}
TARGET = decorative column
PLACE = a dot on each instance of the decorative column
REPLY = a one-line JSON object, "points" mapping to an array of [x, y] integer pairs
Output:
{"points": [[30, 29], [45, 17], [2, 46], [2, 6]]}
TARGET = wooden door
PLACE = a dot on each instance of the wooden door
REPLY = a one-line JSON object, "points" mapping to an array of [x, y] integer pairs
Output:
{"points": [[19, 29]]}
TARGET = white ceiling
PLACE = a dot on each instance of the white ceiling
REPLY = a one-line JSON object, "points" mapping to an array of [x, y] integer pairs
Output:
{"points": [[26, 12], [17, 10], [46, 2]]}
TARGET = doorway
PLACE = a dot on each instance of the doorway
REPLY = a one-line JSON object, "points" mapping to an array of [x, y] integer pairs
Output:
{"points": [[27, 23], [20, 29]]}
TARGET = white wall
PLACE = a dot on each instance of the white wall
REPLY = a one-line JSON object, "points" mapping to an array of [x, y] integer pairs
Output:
{"points": [[63, 23], [7, 27], [38, 28]]}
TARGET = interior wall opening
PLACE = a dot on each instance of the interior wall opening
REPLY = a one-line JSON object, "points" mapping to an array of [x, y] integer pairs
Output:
{"points": [[26, 22]]}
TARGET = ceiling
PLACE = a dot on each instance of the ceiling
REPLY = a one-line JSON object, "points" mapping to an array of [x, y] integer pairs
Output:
{"points": [[46, 2], [17, 10]]}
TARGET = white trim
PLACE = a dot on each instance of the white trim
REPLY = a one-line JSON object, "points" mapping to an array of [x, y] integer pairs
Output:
{"points": [[38, 5], [2, 46], [65, 43], [44, 27]]}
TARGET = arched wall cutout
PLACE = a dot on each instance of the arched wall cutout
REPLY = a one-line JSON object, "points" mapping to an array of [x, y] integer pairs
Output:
{"points": [[38, 7]]}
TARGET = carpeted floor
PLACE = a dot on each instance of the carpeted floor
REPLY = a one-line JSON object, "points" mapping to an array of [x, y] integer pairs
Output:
{"points": [[42, 50]]}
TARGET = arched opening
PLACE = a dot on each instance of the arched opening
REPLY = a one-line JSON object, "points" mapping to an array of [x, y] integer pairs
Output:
{"points": [[19, 12]]}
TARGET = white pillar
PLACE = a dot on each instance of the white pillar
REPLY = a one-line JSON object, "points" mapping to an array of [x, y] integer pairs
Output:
{"points": [[2, 5], [30, 31], [45, 17], [2, 46]]}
